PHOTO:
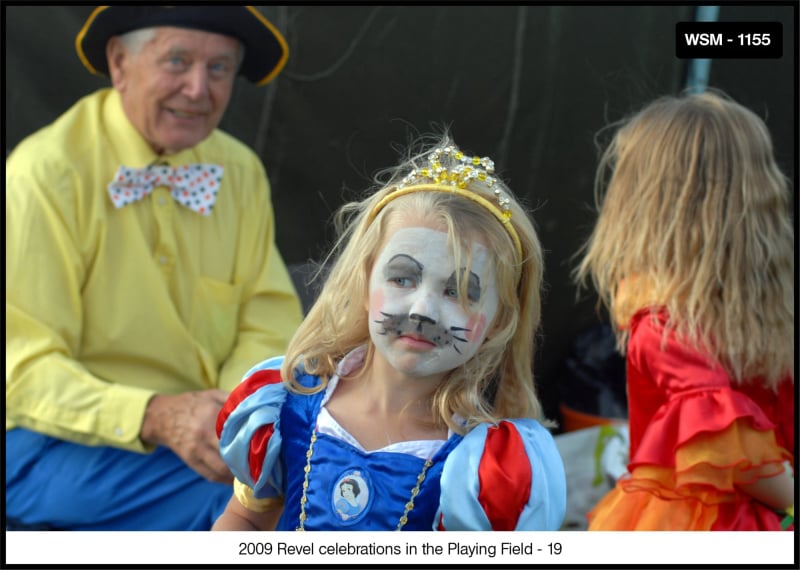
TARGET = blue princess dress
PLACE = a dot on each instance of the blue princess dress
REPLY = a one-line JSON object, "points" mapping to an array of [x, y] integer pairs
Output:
{"points": [[285, 447]]}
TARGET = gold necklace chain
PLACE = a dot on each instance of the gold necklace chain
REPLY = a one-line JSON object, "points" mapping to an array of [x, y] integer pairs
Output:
{"points": [[307, 469]]}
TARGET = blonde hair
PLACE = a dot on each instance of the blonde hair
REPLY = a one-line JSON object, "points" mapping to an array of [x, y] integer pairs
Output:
{"points": [[694, 217], [497, 382]]}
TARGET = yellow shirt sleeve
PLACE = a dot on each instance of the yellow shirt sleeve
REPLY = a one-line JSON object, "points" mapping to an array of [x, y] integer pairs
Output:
{"points": [[47, 388]]}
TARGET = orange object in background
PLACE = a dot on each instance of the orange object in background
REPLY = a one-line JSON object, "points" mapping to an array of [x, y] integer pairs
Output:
{"points": [[572, 419]]}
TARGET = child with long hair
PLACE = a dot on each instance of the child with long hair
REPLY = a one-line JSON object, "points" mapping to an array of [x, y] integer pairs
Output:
{"points": [[410, 379], [692, 255]]}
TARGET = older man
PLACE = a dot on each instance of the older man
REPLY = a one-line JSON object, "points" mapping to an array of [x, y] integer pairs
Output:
{"points": [[142, 279]]}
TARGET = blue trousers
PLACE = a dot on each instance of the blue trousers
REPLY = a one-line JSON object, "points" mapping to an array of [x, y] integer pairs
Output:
{"points": [[55, 484]]}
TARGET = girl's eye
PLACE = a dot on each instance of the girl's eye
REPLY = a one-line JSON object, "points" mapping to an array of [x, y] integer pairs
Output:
{"points": [[451, 292], [401, 281]]}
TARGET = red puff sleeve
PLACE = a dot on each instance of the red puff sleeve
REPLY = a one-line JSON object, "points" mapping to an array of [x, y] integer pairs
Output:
{"points": [[685, 415]]}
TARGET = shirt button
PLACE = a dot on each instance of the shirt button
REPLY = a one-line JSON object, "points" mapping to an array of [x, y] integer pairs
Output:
{"points": [[118, 432], [162, 260], [162, 201]]}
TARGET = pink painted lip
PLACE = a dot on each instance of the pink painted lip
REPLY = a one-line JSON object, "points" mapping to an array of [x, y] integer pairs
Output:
{"points": [[415, 341]]}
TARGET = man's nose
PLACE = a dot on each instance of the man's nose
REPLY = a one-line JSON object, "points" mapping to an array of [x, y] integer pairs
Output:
{"points": [[196, 85]]}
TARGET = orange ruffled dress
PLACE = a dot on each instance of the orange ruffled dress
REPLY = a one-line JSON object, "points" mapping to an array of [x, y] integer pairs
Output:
{"points": [[693, 436]]}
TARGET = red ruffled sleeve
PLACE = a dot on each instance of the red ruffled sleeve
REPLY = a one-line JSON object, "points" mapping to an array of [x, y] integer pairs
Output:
{"points": [[694, 437], [687, 416]]}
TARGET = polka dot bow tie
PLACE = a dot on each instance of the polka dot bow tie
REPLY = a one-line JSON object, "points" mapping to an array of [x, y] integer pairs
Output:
{"points": [[193, 185]]}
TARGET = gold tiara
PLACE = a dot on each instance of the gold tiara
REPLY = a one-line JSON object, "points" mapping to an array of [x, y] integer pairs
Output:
{"points": [[450, 171]]}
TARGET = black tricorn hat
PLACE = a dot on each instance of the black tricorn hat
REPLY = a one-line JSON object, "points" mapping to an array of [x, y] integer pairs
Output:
{"points": [[265, 54]]}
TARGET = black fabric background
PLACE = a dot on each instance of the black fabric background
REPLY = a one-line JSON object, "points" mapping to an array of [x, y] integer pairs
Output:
{"points": [[528, 85]]}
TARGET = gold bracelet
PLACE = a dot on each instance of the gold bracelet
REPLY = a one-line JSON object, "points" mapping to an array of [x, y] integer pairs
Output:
{"points": [[246, 497]]}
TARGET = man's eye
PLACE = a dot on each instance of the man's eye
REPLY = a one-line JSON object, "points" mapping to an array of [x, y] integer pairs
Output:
{"points": [[220, 69], [177, 62]]}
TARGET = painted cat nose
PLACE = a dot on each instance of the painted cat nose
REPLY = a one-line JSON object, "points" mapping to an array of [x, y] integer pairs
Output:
{"points": [[421, 318], [424, 309]]}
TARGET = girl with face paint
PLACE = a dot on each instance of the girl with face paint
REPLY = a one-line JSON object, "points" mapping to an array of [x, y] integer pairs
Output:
{"points": [[411, 374]]}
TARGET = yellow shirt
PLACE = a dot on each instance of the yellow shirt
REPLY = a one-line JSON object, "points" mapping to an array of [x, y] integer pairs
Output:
{"points": [[106, 307]]}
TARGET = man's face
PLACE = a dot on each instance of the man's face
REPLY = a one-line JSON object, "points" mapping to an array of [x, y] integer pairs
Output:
{"points": [[177, 87], [416, 318]]}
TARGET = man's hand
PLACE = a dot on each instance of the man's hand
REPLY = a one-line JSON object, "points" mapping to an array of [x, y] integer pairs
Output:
{"points": [[186, 423]]}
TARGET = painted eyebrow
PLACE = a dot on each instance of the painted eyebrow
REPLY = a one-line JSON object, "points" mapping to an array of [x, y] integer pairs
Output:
{"points": [[473, 285], [403, 262]]}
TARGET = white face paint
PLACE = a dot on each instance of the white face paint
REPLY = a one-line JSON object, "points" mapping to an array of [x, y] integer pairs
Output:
{"points": [[416, 317]]}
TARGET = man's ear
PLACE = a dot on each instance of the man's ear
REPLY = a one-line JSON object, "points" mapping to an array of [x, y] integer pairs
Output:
{"points": [[117, 57]]}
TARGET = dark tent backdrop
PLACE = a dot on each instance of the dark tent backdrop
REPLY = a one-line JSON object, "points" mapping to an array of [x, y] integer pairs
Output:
{"points": [[528, 85]]}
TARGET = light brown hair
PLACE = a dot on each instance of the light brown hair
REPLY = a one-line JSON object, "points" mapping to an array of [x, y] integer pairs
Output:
{"points": [[695, 217]]}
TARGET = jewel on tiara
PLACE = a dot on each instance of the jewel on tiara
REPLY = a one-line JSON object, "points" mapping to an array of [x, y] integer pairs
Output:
{"points": [[467, 168], [449, 170]]}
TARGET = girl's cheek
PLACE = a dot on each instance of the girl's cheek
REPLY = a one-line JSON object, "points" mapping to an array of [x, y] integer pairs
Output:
{"points": [[477, 325], [377, 302]]}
